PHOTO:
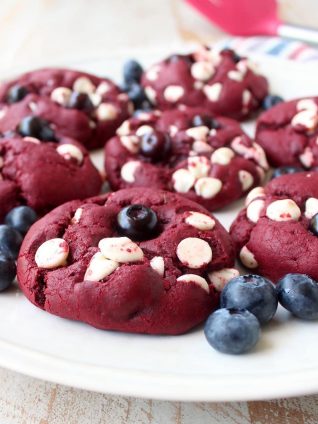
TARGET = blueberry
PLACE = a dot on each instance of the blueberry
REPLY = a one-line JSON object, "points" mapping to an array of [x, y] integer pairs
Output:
{"points": [[7, 272], [207, 121], [137, 221], [232, 331], [33, 126], [80, 101], [132, 71], [137, 95], [283, 170], [271, 101], [174, 58], [155, 145], [298, 293], [313, 225], [21, 218], [236, 58], [17, 93], [251, 292], [10, 242]]}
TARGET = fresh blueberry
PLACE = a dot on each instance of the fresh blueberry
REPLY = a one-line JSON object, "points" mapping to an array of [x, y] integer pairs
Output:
{"points": [[298, 293], [137, 221], [232, 331], [80, 101], [283, 170], [17, 93], [21, 218], [137, 95], [155, 145], [7, 272], [132, 71], [33, 126], [207, 121], [236, 58], [271, 101], [251, 292], [10, 242], [313, 225], [174, 58]]}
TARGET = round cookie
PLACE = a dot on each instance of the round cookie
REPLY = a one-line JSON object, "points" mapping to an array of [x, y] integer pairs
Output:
{"points": [[206, 159], [44, 175], [274, 234], [76, 104], [79, 262], [288, 133], [220, 81]]}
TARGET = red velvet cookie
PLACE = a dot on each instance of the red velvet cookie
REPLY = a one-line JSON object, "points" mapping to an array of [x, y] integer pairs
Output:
{"points": [[288, 133], [222, 82], [76, 104], [139, 260], [44, 175], [206, 159], [275, 234]]}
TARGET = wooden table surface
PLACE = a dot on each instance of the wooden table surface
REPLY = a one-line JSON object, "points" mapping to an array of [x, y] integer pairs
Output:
{"points": [[43, 32]]}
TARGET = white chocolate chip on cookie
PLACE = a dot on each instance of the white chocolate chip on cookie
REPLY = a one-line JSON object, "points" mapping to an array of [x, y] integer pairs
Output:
{"points": [[202, 70], [70, 151], [283, 210], [106, 112], [157, 263], [213, 92], [200, 221], [173, 93], [221, 277], [199, 166], [128, 170], [61, 95], [131, 142], [194, 252], [183, 180], [311, 208], [248, 258], [196, 279], [222, 156], [99, 268], [83, 85], [52, 253], [246, 179], [254, 210], [208, 187], [120, 249]]}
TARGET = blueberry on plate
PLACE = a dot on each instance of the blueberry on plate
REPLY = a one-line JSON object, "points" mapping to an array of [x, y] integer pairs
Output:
{"points": [[7, 272], [283, 170], [298, 293], [34, 126], [271, 101], [232, 331], [132, 71], [137, 222], [10, 242], [21, 218], [17, 93], [251, 292]]}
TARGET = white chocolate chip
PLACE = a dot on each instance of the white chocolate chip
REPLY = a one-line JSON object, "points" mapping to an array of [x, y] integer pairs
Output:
{"points": [[311, 208], [3, 112], [52, 253], [99, 268], [95, 98], [307, 157], [123, 97], [202, 70], [220, 278], [198, 133], [246, 179], [153, 73], [194, 252], [242, 66], [151, 94], [83, 85], [106, 112], [183, 180], [307, 118], [199, 166], [254, 152], [124, 129], [247, 258], [103, 88], [198, 85], [144, 129], [208, 187], [92, 124], [69, 151], [306, 104], [33, 106], [254, 210], [200, 221], [283, 210], [199, 146], [61, 95], [246, 97], [235, 76], [1, 162], [222, 156], [157, 264], [120, 249], [173, 129], [131, 142], [77, 216], [213, 92], [32, 140], [196, 279], [173, 93], [128, 170]]}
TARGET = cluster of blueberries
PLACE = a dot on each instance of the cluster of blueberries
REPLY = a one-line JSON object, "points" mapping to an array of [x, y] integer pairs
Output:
{"points": [[249, 301], [132, 73], [16, 224]]}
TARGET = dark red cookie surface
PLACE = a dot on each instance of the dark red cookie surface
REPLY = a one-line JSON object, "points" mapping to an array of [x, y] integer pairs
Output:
{"points": [[76, 263], [76, 104], [273, 234], [288, 133], [44, 175], [221, 82], [207, 159]]}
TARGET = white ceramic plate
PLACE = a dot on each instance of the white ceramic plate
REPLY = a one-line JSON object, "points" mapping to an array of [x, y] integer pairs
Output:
{"points": [[175, 368]]}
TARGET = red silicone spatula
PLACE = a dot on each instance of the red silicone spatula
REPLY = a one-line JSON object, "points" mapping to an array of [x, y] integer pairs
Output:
{"points": [[251, 17]]}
